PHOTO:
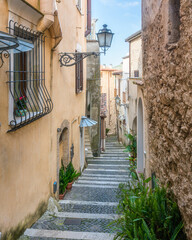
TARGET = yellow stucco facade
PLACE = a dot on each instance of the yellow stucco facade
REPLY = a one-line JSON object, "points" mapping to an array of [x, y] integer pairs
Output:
{"points": [[30, 157]]}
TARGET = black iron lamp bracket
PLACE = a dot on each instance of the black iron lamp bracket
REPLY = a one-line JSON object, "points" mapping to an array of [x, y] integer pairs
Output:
{"points": [[70, 59]]}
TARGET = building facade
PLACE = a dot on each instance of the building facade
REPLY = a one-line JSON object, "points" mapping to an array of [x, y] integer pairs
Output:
{"points": [[41, 105], [168, 97], [93, 91], [108, 87], [135, 75]]}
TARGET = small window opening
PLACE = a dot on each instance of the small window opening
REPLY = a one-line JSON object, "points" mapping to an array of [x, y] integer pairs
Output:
{"points": [[136, 73], [174, 21]]}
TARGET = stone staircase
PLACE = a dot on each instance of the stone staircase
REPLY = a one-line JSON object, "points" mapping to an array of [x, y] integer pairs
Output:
{"points": [[87, 210], [88, 151]]}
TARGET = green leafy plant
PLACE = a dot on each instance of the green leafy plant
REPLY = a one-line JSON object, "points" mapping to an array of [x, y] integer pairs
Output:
{"points": [[21, 103], [71, 173], [132, 146], [62, 180], [147, 214], [132, 149], [107, 131]]}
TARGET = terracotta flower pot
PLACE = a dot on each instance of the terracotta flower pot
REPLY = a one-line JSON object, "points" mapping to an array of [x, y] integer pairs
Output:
{"points": [[61, 196], [69, 185]]}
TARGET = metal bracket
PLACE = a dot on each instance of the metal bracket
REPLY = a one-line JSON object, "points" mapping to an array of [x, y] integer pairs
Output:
{"points": [[70, 59], [4, 54]]}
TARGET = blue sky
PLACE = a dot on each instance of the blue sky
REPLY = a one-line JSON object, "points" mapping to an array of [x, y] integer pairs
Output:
{"points": [[123, 17]]}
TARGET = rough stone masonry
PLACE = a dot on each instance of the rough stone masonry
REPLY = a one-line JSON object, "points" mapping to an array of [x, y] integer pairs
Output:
{"points": [[167, 71]]}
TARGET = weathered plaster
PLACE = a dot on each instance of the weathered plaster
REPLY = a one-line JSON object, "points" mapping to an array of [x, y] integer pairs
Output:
{"points": [[168, 101]]}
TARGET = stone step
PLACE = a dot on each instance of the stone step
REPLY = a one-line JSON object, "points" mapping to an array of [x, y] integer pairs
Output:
{"points": [[80, 185], [92, 194], [107, 167], [38, 234], [95, 182], [89, 174], [105, 172], [95, 178], [109, 157], [88, 208], [108, 162]]}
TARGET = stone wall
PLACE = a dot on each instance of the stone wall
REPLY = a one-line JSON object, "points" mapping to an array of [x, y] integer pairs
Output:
{"points": [[93, 95], [168, 99]]}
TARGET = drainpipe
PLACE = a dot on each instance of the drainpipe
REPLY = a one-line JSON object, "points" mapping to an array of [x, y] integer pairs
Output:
{"points": [[47, 7], [88, 18]]}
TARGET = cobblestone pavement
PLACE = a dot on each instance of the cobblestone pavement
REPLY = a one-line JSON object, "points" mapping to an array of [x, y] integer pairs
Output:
{"points": [[87, 210]]}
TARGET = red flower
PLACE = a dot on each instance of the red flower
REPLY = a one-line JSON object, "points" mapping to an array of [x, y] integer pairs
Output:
{"points": [[21, 98]]}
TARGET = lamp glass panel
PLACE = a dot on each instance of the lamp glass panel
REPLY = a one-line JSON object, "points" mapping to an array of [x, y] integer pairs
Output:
{"points": [[101, 39], [109, 37]]}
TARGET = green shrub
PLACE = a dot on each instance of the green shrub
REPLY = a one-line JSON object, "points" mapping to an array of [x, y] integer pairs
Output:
{"points": [[147, 214], [106, 131], [71, 173], [62, 180], [132, 146]]}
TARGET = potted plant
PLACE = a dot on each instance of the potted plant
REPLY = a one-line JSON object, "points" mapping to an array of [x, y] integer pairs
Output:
{"points": [[71, 174], [21, 106], [62, 182]]}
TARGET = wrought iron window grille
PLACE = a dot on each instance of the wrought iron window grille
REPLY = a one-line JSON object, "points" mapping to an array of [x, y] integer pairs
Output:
{"points": [[29, 99]]}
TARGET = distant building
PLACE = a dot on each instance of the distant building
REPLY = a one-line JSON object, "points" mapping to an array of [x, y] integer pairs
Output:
{"points": [[108, 87]]}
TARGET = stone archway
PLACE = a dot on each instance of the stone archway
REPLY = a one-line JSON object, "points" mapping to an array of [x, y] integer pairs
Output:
{"points": [[62, 147], [140, 138], [134, 126]]}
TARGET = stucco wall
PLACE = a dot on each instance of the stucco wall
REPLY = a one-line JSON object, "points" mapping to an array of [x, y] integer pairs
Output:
{"points": [[168, 99], [29, 156], [135, 56], [107, 86]]}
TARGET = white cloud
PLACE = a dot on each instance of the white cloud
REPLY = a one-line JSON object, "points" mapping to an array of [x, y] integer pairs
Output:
{"points": [[128, 4], [120, 3]]}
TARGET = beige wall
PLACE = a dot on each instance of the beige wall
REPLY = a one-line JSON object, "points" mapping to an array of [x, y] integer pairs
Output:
{"points": [[135, 56], [108, 86], [29, 156], [135, 52]]}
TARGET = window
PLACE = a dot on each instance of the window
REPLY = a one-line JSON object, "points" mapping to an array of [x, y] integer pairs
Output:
{"points": [[115, 92], [124, 97], [79, 4], [29, 98], [174, 21], [79, 73], [136, 73]]}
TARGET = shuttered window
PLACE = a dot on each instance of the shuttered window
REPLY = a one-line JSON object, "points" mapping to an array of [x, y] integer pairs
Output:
{"points": [[79, 73]]}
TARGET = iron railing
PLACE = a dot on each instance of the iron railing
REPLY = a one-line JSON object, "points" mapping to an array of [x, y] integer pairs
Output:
{"points": [[29, 99]]}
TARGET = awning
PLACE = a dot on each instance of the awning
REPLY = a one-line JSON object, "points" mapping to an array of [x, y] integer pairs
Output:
{"points": [[9, 42], [87, 122]]}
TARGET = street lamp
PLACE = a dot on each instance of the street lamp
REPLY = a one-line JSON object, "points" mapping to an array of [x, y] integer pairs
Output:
{"points": [[104, 36]]}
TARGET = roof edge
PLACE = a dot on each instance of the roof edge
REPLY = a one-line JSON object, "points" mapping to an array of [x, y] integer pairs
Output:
{"points": [[133, 36]]}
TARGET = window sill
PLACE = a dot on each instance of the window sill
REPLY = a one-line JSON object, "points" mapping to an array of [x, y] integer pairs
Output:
{"points": [[27, 116], [79, 10]]}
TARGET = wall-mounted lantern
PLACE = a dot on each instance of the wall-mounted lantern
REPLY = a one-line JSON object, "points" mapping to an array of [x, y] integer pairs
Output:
{"points": [[104, 36]]}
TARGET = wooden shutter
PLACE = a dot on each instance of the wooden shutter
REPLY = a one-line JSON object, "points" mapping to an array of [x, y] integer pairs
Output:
{"points": [[79, 74]]}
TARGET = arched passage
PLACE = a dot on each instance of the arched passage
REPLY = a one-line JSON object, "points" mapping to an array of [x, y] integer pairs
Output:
{"points": [[140, 138], [134, 126], [62, 147]]}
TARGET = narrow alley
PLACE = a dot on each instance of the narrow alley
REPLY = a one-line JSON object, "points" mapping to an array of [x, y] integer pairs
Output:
{"points": [[90, 206]]}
